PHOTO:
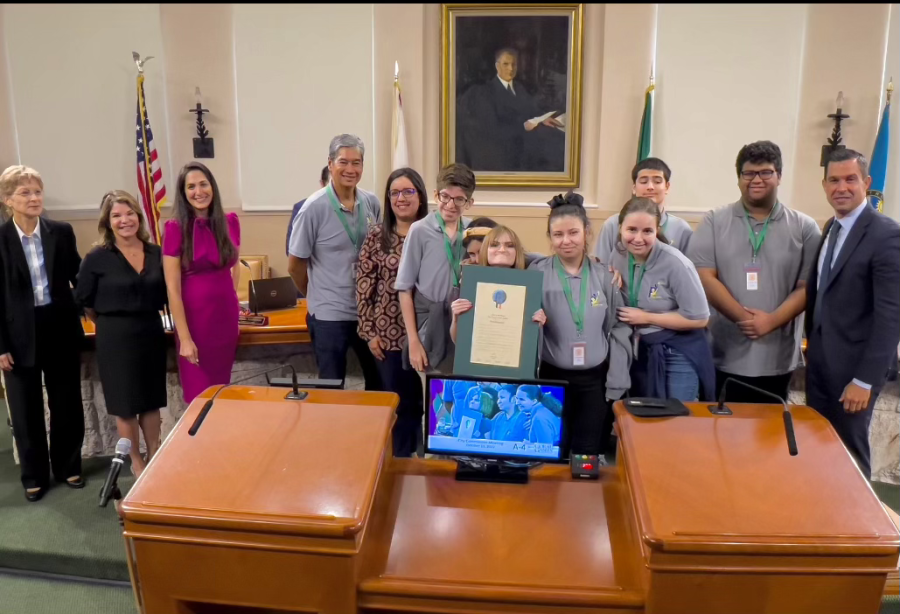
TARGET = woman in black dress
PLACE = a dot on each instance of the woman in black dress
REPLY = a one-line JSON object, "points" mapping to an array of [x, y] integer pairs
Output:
{"points": [[122, 289]]}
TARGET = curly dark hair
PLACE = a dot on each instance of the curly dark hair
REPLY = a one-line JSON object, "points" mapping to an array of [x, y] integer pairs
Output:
{"points": [[759, 152]]}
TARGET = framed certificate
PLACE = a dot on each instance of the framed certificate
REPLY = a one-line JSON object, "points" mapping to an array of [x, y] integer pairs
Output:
{"points": [[497, 337]]}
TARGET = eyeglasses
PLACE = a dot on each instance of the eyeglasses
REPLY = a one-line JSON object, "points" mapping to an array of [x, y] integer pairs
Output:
{"points": [[26, 194], [408, 193], [751, 175], [459, 201]]}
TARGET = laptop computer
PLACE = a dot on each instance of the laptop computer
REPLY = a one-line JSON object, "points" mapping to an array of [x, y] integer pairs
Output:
{"points": [[272, 294]]}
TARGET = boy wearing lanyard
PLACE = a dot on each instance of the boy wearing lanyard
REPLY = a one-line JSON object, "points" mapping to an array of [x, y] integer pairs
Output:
{"points": [[753, 257], [651, 178], [324, 250], [429, 274]]}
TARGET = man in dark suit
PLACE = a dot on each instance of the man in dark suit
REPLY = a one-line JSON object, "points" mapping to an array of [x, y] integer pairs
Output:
{"points": [[497, 127], [40, 333], [852, 306]]}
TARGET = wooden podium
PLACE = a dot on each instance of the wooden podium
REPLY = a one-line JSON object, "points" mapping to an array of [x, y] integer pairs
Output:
{"points": [[281, 506]]}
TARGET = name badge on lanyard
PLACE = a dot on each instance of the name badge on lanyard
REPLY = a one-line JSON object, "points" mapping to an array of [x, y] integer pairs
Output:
{"points": [[578, 352], [751, 271]]}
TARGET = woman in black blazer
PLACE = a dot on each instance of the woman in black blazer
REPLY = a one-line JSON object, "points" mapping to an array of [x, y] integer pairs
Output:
{"points": [[122, 289], [40, 332]]}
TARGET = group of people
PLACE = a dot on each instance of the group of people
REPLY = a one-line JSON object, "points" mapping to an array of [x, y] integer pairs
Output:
{"points": [[122, 285], [654, 310]]}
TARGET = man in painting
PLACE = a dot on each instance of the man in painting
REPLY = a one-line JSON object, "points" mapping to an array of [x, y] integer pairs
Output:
{"points": [[500, 127]]}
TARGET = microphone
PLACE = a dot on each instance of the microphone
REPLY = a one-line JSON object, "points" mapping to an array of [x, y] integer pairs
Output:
{"points": [[254, 302], [721, 410], [294, 395], [110, 488]]}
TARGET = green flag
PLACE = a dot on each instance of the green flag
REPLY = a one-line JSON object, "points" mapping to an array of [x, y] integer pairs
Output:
{"points": [[646, 126]]}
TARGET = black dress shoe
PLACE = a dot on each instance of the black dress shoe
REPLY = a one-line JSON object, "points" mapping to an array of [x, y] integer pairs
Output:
{"points": [[34, 496], [78, 483]]}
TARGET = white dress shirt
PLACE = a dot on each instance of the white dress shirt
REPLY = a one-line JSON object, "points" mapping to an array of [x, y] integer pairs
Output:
{"points": [[34, 255]]}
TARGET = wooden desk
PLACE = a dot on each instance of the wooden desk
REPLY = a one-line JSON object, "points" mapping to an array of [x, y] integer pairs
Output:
{"points": [[285, 326], [282, 506]]}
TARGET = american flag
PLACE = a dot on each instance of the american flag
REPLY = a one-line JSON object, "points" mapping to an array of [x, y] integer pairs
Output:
{"points": [[151, 189]]}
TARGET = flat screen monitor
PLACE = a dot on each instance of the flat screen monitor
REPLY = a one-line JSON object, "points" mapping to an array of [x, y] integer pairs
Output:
{"points": [[495, 418]]}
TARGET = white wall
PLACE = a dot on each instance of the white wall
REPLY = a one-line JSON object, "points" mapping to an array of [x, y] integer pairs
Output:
{"points": [[303, 75], [892, 69], [72, 84], [726, 75]]}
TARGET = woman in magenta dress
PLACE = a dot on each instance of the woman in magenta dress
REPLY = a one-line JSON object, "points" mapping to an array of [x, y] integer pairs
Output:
{"points": [[200, 261]]}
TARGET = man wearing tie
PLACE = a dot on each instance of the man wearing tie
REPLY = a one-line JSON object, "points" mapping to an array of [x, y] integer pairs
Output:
{"points": [[853, 306], [500, 128]]}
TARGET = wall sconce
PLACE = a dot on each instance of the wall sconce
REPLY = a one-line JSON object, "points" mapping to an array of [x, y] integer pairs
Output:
{"points": [[203, 146], [834, 143]]}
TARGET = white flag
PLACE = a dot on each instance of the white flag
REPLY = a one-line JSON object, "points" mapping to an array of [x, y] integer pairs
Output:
{"points": [[399, 150]]}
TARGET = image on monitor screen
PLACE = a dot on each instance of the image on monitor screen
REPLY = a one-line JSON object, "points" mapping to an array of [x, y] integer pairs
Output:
{"points": [[494, 419]]}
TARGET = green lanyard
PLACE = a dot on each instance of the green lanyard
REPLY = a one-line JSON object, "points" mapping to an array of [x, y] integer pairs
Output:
{"points": [[756, 241], [634, 289], [360, 234], [455, 259], [577, 313]]}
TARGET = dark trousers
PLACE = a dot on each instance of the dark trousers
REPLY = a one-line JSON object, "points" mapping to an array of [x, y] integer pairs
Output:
{"points": [[588, 419], [776, 384], [408, 386], [331, 340], [823, 393], [61, 367]]}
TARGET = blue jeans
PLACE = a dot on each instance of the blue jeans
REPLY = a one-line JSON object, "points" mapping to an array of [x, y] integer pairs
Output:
{"points": [[682, 381]]}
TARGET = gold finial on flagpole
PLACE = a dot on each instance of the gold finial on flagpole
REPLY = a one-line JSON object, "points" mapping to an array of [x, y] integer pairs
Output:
{"points": [[396, 71], [139, 62], [890, 90], [651, 74]]}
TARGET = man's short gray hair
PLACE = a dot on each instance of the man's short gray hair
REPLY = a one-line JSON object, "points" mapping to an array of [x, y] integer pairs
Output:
{"points": [[342, 141], [506, 50]]}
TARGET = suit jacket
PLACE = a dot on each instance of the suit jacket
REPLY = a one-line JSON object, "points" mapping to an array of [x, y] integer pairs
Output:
{"points": [[61, 259], [861, 319]]}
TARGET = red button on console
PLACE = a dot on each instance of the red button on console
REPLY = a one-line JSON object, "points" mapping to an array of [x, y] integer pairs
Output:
{"points": [[588, 466]]}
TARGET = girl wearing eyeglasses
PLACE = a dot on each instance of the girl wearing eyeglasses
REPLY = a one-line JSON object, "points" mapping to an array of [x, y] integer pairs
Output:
{"points": [[378, 304], [430, 271]]}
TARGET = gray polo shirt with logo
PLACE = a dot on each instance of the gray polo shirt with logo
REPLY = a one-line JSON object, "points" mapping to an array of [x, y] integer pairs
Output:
{"points": [[319, 236], [670, 283], [677, 231], [722, 242], [423, 263], [604, 335]]}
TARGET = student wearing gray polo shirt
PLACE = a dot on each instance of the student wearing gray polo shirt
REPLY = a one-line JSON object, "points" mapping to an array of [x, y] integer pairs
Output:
{"points": [[324, 250], [430, 271], [667, 308], [753, 257], [583, 341], [651, 179]]}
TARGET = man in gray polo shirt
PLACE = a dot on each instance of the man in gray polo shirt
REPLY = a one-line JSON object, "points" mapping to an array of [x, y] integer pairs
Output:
{"points": [[651, 178], [324, 249], [753, 257]]}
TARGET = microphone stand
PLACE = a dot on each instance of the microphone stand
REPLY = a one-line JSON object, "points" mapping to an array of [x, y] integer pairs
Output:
{"points": [[721, 410], [294, 395]]}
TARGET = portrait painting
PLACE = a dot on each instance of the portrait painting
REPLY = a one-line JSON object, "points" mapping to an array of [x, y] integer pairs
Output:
{"points": [[511, 99]]}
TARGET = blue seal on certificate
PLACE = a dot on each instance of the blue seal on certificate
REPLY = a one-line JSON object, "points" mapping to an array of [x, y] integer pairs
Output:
{"points": [[499, 298]]}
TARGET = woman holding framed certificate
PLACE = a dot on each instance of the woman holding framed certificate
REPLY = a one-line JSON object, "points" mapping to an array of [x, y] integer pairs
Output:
{"points": [[584, 343]]}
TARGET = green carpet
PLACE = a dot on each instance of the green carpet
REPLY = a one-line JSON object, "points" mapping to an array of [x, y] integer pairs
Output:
{"points": [[23, 595], [65, 532]]}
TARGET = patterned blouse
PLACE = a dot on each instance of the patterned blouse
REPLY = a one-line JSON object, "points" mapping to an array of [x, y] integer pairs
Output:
{"points": [[378, 302]]}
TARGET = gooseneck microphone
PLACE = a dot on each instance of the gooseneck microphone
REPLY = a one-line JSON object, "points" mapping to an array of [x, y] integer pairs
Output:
{"points": [[295, 394], [254, 302], [110, 487], [721, 410]]}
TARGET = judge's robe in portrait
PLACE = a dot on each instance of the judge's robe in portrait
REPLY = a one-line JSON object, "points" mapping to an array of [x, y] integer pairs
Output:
{"points": [[491, 135]]}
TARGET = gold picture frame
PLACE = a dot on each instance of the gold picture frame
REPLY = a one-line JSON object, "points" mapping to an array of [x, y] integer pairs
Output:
{"points": [[482, 124]]}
